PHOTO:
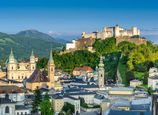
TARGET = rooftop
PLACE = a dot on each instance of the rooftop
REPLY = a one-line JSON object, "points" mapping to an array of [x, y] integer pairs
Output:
{"points": [[20, 107], [38, 76], [153, 77], [88, 86], [83, 68], [121, 89], [82, 93], [11, 89], [6, 101]]}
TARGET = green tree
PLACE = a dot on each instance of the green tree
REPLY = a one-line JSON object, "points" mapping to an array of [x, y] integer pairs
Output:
{"points": [[37, 100], [68, 109], [46, 106]]}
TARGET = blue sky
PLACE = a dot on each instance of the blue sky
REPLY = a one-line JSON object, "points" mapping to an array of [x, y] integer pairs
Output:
{"points": [[74, 16]]}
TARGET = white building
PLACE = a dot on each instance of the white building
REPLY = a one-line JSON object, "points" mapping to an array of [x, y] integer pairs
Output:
{"points": [[73, 101], [88, 96], [14, 93], [135, 83], [153, 82], [71, 45], [153, 72], [10, 107], [153, 78]]}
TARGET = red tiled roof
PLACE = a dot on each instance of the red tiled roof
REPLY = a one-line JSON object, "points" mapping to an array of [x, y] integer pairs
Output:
{"points": [[83, 68]]}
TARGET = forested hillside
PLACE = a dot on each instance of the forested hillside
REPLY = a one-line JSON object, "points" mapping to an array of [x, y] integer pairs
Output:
{"points": [[23, 42], [132, 61]]}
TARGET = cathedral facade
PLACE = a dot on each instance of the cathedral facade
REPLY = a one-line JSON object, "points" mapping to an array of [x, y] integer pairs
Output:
{"points": [[22, 70]]}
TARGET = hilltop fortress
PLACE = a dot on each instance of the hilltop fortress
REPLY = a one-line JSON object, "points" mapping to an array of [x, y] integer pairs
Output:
{"points": [[115, 31], [131, 35]]}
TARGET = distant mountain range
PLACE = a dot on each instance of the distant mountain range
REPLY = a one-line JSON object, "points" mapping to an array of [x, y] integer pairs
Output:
{"points": [[23, 42]]}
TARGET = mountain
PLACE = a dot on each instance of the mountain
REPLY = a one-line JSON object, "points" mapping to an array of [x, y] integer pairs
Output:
{"points": [[23, 42]]}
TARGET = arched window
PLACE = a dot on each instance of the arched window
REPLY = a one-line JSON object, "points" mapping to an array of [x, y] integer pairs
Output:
{"points": [[12, 67], [6, 109]]}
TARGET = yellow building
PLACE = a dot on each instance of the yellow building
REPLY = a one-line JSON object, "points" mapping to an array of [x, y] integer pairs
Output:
{"points": [[57, 103], [20, 71], [39, 78]]}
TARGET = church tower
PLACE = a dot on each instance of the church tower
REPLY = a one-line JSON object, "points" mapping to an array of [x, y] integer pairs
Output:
{"points": [[101, 73], [12, 63], [32, 62], [11, 66], [51, 69]]}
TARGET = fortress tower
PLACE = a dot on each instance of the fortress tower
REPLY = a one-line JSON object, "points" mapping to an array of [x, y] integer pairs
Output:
{"points": [[116, 31], [101, 73]]}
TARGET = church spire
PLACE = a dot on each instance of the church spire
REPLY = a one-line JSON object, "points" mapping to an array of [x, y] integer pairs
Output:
{"points": [[101, 64], [32, 55], [51, 57], [11, 57]]}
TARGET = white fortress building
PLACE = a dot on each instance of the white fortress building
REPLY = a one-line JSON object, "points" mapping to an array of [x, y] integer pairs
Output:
{"points": [[20, 71], [115, 31], [71, 45]]}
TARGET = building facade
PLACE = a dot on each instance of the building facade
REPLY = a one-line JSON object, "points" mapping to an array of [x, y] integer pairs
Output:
{"points": [[20, 71], [153, 78]]}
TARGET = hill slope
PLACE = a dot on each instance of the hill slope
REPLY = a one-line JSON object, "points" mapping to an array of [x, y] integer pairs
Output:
{"points": [[24, 41]]}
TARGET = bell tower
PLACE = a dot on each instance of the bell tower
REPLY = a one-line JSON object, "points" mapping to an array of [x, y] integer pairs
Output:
{"points": [[101, 73], [51, 69]]}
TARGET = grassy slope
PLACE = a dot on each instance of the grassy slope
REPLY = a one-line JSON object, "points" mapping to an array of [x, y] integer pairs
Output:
{"points": [[122, 69]]}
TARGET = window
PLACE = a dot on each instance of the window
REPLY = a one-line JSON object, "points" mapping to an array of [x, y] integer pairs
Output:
{"points": [[6, 109], [25, 113], [12, 67], [17, 113]]}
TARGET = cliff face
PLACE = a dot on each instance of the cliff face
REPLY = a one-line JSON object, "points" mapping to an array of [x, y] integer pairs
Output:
{"points": [[84, 43], [137, 41]]}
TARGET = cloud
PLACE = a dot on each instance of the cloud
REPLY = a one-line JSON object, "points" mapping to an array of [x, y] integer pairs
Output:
{"points": [[53, 33]]}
